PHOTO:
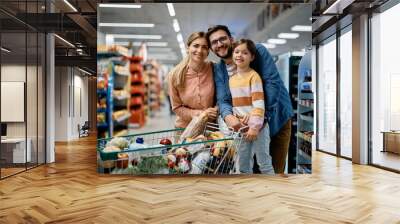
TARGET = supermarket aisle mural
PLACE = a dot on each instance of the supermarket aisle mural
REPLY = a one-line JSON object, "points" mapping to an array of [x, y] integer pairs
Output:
{"points": [[136, 52]]}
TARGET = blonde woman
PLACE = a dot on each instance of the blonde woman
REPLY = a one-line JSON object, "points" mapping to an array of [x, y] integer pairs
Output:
{"points": [[191, 83]]}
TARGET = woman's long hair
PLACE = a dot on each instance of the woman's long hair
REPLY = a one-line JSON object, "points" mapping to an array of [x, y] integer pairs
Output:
{"points": [[178, 73]]}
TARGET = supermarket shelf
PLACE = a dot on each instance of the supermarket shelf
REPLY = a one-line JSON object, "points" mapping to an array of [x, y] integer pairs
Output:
{"points": [[123, 118], [101, 110], [306, 96], [304, 108], [102, 125], [102, 92], [123, 97], [303, 158], [305, 169], [306, 118], [301, 136]]}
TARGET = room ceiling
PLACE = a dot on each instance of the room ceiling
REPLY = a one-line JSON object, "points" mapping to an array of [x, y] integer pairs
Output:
{"points": [[198, 17]]}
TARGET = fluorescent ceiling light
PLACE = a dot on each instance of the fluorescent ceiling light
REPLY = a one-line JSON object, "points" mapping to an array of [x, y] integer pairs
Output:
{"points": [[176, 25], [84, 71], [276, 41], [135, 36], [269, 46], [182, 46], [288, 35], [179, 38], [65, 41], [127, 24], [159, 49], [5, 50], [298, 53], [163, 56], [171, 9], [149, 44], [183, 52], [127, 6], [301, 28], [70, 5]]}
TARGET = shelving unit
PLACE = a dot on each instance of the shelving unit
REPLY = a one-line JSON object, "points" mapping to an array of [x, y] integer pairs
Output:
{"points": [[305, 123], [137, 93], [153, 88], [294, 62], [113, 97], [121, 97]]}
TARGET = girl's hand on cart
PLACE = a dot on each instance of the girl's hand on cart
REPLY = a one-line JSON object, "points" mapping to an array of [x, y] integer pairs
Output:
{"points": [[251, 134], [232, 122], [244, 119]]}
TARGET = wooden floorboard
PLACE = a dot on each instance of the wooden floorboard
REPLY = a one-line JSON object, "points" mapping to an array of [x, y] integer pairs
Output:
{"points": [[71, 191]]}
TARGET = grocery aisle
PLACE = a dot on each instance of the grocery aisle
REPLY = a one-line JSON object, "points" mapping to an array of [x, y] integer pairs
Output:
{"points": [[161, 120]]}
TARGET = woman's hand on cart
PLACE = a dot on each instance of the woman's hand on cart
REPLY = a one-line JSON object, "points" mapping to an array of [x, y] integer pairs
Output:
{"points": [[212, 113]]}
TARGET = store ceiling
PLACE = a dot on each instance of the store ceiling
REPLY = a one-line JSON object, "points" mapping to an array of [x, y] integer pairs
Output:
{"points": [[198, 17]]}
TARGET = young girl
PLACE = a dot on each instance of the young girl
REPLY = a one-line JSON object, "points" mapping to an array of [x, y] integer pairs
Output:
{"points": [[248, 104]]}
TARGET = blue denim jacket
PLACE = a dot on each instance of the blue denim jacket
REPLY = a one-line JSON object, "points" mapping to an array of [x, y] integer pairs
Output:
{"points": [[278, 105]]}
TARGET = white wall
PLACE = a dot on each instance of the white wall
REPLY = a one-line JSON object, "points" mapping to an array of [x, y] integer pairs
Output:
{"points": [[71, 93]]}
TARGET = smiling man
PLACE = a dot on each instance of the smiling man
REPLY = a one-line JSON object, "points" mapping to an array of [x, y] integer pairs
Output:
{"points": [[278, 106]]}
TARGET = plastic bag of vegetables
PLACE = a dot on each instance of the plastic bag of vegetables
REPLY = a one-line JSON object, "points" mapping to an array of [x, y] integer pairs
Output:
{"points": [[119, 142], [195, 127]]}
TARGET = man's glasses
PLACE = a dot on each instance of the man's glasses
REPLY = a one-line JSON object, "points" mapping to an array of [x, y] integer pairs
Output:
{"points": [[221, 40]]}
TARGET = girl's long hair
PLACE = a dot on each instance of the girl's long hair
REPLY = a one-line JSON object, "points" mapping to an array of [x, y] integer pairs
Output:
{"points": [[178, 73]]}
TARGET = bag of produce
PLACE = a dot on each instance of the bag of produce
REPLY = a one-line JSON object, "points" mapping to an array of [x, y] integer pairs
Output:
{"points": [[121, 143], [195, 127]]}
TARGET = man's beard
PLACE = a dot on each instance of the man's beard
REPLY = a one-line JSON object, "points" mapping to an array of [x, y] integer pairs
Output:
{"points": [[228, 55]]}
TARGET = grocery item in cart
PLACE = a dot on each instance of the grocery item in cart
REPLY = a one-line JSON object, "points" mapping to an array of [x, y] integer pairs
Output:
{"points": [[199, 162], [121, 143], [195, 128]]}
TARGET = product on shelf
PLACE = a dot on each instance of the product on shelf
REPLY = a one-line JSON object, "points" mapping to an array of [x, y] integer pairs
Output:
{"points": [[137, 91]]}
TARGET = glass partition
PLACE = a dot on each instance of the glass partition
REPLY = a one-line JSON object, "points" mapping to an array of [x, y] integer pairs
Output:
{"points": [[346, 94], [327, 96], [385, 89], [22, 89]]}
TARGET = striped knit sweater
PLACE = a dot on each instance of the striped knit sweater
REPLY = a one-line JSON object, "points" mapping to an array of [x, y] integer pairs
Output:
{"points": [[248, 97]]}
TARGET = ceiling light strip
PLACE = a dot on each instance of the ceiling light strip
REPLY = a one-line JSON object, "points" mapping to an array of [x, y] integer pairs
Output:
{"points": [[301, 28], [5, 50], [135, 36], [175, 24], [171, 9], [288, 35], [127, 6], [65, 41], [150, 25], [70, 5]]}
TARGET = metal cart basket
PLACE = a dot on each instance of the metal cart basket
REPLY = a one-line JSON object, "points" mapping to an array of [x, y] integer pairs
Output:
{"points": [[213, 152]]}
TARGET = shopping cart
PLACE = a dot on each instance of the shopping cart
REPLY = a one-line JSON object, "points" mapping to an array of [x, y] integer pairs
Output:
{"points": [[213, 152]]}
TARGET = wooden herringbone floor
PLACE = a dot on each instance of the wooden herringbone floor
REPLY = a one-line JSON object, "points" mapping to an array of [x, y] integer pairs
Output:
{"points": [[70, 191]]}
